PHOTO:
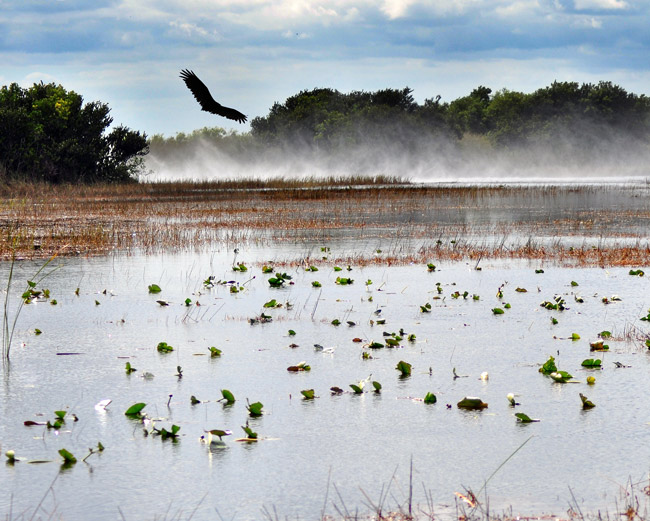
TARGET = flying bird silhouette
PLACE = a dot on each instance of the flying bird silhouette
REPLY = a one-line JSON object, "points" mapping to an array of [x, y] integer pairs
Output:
{"points": [[205, 99]]}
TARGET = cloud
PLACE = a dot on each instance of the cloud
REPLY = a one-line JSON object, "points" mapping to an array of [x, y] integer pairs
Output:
{"points": [[256, 52], [600, 4], [193, 32]]}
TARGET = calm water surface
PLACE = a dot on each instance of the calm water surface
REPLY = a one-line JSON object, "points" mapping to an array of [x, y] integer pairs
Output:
{"points": [[356, 443]]}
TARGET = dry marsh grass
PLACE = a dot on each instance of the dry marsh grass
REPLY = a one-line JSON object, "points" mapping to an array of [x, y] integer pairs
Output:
{"points": [[449, 222]]}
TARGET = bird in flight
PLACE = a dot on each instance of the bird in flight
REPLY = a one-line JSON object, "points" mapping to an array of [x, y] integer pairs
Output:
{"points": [[205, 99]]}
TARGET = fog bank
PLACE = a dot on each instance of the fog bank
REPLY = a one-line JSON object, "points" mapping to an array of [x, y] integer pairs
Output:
{"points": [[563, 159]]}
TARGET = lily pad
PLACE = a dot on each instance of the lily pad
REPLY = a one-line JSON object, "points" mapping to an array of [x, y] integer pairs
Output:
{"points": [[471, 402], [524, 418]]}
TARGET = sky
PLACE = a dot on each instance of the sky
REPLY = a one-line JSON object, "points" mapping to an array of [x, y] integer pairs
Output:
{"points": [[253, 53]]}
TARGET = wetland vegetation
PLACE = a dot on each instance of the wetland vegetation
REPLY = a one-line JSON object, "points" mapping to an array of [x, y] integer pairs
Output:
{"points": [[208, 348], [313, 347]]}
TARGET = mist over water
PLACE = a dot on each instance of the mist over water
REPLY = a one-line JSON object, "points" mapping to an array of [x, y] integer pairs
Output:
{"points": [[567, 158]]}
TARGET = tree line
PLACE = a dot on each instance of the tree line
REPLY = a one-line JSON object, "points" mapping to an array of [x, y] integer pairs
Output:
{"points": [[564, 117], [326, 117], [50, 134]]}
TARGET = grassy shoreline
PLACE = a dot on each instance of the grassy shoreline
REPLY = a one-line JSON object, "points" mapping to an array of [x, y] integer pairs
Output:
{"points": [[451, 222]]}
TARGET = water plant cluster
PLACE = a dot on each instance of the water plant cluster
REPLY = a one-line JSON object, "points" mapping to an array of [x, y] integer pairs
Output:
{"points": [[423, 343]]}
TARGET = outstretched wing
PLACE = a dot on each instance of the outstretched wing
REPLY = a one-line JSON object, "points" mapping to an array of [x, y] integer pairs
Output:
{"points": [[205, 99]]}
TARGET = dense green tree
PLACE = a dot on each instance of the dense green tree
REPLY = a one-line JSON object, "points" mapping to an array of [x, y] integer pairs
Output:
{"points": [[468, 114], [49, 134], [564, 120], [326, 118]]}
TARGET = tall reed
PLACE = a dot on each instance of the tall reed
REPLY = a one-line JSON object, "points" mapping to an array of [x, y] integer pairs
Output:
{"points": [[9, 325]]}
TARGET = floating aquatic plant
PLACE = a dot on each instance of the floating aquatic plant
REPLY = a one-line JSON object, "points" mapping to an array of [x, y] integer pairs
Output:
{"points": [[343, 281], [430, 398], [261, 319], [498, 311], [549, 366], [254, 409], [308, 394], [68, 457], [154, 288], [251, 435], [129, 369], [557, 304], [426, 308], [58, 422], [219, 433], [227, 396], [377, 386], [586, 402], [524, 418], [471, 402], [599, 345], [279, 280], [167, 434], [11, 457], [404, 368], [214, 352], [302, 366], [592, 363], [135, 409], [560, 376], [164, 347], [93, 450]]}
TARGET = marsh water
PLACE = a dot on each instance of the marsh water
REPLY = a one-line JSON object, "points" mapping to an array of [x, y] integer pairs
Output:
{"points": [[345, 453]]}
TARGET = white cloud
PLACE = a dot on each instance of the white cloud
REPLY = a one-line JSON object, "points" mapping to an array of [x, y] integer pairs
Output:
{"points": [[518, 8], [589, 21], [194, 32], [37, 77], [289, 34], [396, 8], [600, 4]]}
